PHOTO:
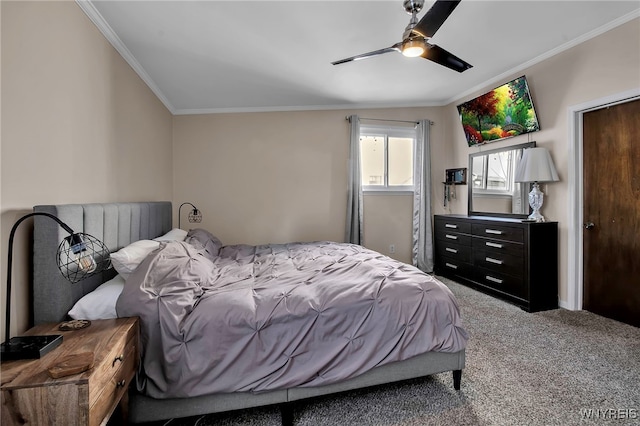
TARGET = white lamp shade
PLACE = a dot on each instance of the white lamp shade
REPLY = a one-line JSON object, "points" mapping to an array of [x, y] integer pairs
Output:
{"points": [[536, 165]]}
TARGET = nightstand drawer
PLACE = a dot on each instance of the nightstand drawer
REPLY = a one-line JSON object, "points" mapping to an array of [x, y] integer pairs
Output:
{"points": [[114, 350], [113, 390]]}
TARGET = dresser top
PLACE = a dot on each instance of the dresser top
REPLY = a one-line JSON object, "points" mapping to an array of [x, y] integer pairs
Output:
{"points": [[489, 218]]}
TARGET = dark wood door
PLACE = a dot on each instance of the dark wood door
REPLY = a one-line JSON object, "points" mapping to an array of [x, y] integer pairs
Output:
{"points": [[611, 164]]}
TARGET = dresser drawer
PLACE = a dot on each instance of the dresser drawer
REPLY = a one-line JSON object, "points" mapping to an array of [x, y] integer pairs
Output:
{"points": [[452, 225], [497, 246], [508, 284], [499, 262], [453, 237], [499, 232], [453, 266], [453, 250]]}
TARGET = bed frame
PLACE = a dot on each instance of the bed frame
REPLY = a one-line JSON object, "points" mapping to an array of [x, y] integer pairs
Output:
{"points": [[119, 224]]}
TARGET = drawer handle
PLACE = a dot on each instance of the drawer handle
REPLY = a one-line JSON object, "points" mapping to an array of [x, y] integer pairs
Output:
{"points": [[451, 265], [121, 383], [492, 260], [451, 237], [116, 359], [449, 225], [451, 250], [494, 245], [493, 231], [495, 280]]}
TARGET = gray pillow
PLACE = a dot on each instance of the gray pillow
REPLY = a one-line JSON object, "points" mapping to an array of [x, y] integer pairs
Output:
{"points": [[203, 240]]}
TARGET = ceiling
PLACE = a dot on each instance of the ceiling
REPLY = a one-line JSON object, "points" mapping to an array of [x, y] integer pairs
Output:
{"points": [[241, 56]]}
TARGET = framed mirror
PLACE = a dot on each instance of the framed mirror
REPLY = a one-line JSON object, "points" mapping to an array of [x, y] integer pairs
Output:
{"points": [[492, 190]]}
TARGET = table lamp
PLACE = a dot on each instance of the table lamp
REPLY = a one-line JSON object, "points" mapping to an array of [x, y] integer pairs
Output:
{"points": [[79, 256], [536, 166], [195, 216]]}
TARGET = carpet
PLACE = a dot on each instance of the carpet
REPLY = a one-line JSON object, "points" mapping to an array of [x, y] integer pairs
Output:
{"points": [[554, 367]]}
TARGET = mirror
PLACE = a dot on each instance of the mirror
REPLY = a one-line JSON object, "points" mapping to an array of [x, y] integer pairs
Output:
{"points": [[492, 191]]}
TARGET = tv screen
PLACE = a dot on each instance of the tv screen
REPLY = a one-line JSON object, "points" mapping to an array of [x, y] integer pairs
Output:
{"points": [[504, 112]]}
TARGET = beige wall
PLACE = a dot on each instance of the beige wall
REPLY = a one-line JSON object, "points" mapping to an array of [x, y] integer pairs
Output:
{"points": [[78, 125], [282, 176], [603, 66]]}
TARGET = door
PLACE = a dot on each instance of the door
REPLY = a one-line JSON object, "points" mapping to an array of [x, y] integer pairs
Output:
{"points": [[611, 204]]}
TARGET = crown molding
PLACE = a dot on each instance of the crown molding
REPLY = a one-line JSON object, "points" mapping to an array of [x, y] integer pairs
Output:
{"points": [[94, 15]]}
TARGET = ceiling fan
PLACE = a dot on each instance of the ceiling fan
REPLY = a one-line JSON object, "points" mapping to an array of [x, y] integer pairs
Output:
{"points": [[415, 38]]}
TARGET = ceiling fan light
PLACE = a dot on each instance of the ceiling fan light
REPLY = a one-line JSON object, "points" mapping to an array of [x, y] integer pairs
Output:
{"points": [[413, 47]]}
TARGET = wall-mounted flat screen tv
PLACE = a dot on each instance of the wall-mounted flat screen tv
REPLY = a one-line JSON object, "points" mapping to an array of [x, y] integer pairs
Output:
{"points": [[504, 112]]}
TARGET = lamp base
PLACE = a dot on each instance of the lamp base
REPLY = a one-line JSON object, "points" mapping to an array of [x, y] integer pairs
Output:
{"points": [[536, 198], [29, 347]]}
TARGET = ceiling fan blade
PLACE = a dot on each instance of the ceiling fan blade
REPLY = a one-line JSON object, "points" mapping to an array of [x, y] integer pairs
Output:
{"points": [[394, 48], [447, 59], [435, 17]]}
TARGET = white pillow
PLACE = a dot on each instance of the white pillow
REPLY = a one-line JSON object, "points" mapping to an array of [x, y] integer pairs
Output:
{"points": [[176, 234], [100, 303], [127, 259]]}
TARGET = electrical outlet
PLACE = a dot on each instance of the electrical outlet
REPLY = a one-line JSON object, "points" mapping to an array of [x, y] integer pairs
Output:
{"points": [[392, 248]]}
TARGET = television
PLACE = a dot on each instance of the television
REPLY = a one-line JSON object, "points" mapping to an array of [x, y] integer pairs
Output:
{"points": [[503, 112]]}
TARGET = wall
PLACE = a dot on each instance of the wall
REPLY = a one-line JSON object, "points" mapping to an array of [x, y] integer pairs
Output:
{"points": [[78, 125], [282, 176], [603, 66]]}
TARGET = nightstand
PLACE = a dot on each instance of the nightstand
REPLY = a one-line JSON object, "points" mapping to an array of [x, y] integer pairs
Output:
{"points": [[30, 395]]}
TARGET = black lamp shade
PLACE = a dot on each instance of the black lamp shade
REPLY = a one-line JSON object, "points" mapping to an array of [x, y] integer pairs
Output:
{"points": [[195, 216], [81, 256]]}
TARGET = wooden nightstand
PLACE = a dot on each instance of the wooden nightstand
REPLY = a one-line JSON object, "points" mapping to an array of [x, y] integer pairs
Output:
{"points": [[31, 396]]}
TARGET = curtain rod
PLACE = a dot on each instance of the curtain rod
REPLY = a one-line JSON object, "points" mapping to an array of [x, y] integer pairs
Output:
{"points": [[383, 119]]}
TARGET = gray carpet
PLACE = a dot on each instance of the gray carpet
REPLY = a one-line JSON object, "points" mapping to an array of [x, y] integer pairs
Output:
{"points": [[556, 367]]}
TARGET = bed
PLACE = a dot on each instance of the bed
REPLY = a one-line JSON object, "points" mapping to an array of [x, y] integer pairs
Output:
{"points": [[315, 367]]}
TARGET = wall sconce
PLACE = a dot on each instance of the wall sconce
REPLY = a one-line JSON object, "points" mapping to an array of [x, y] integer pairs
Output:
{"points": [[536, 166], [195, 216], [79, 256]]}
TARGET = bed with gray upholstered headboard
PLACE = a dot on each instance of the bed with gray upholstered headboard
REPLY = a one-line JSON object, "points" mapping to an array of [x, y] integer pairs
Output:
{"points": [[119, 224]]}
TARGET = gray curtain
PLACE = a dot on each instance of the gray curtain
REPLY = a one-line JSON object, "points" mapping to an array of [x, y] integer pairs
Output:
{"points": [[422, 229], [354, 202]]}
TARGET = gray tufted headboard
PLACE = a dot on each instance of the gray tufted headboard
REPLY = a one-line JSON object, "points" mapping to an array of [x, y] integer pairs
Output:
{"points": [[116, 224]]}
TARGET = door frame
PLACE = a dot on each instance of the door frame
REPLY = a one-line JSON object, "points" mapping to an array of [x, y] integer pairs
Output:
{"points": [[575, 208]]}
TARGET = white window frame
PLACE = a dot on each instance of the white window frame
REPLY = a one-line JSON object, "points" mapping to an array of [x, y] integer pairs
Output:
{"points": [[506, 193], [386, 132]]}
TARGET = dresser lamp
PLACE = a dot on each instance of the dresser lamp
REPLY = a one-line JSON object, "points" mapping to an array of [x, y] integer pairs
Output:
{"points": [[79, 256], [195, 216], [536, 166]]}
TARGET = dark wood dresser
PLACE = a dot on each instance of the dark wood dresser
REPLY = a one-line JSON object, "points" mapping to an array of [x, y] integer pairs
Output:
{"points": [[514, 260]]}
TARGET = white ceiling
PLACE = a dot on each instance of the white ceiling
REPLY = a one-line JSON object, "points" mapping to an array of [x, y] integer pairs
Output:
{"points": [[227, 56]]}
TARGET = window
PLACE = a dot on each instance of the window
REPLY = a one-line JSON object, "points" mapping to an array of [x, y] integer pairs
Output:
{"points": [[386, 155], [494, 174]]}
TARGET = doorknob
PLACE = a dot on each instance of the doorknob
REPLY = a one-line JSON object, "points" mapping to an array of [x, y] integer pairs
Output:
{"points": [[589, 225]]}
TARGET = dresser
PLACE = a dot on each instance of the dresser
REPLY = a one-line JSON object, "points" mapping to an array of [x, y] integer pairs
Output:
{"points": [[30, 395], [507, 258]]}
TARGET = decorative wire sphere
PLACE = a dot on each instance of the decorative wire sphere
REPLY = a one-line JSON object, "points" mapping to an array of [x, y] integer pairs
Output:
{"points": [[195, 216], [81, 256]]}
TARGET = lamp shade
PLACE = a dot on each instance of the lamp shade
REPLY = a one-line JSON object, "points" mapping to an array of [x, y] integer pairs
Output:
{"points": [[536, 165]]}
